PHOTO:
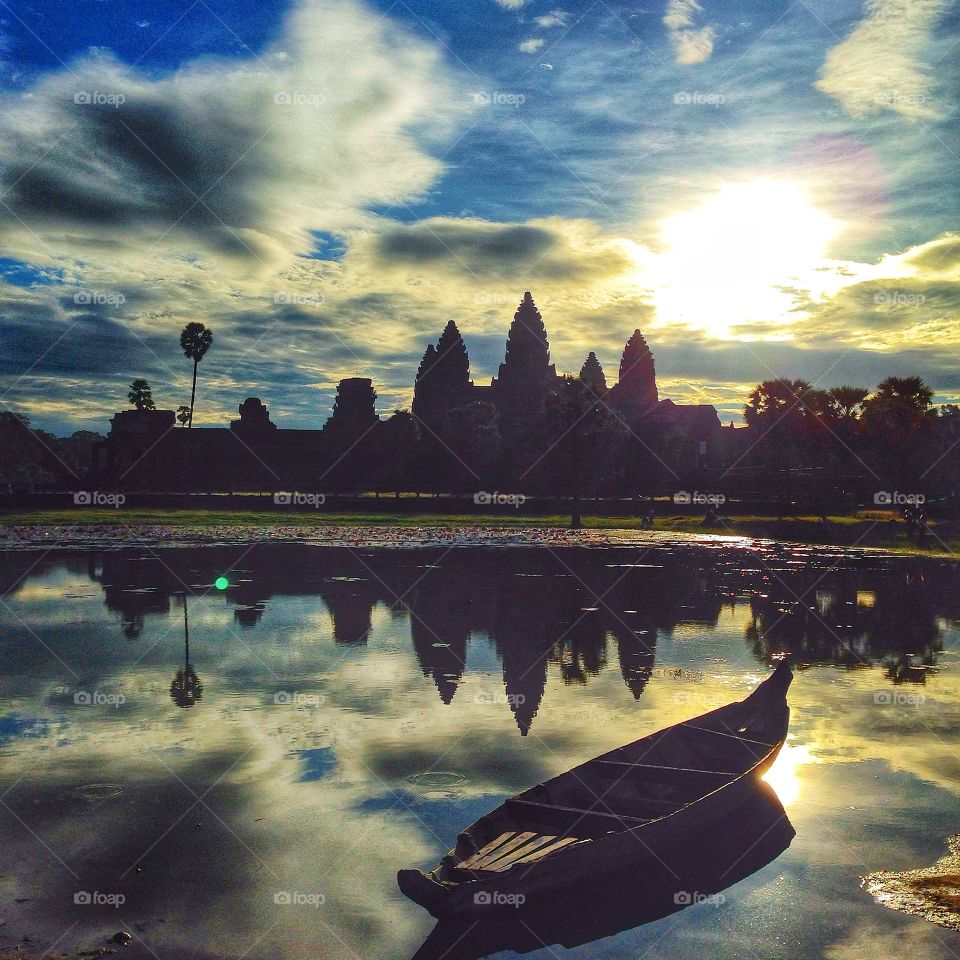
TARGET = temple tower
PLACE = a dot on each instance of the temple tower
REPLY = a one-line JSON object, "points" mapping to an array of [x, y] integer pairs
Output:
{"points": [[443, 378], [526, 373], [591, 374], [636, 390]]}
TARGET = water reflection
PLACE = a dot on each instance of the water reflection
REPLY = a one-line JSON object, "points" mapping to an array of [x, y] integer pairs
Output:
{"points": [[835, 620], [359, 707], [583, 610], [186, 688], [580, 612], [694, 870]]}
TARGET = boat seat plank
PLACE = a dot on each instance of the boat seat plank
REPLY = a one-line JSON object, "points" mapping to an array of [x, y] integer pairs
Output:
{"points": [[488, 848], [540, 846], [501, 862], [519, 840], [546, 851]]}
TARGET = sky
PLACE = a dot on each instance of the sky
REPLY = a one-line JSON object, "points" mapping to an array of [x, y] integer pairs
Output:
{"points": [[764, 188]]}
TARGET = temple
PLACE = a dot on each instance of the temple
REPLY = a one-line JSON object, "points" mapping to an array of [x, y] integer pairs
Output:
{"points": [[458, 429]]}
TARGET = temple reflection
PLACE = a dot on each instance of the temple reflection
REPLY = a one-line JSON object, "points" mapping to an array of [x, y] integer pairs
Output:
{"points": [[573, 615]]}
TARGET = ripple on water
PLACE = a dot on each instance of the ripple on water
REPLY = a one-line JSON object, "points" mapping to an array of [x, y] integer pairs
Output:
{"points": [[437, 780], [98, 791]]}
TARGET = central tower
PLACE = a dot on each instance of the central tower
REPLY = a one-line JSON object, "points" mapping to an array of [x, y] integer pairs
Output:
{"points": [[526, 373]]}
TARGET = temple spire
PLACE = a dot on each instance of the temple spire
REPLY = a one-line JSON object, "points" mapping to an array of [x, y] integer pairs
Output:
{"points": [[591, 373], [526, 373], [443, 379], [636, 390]]}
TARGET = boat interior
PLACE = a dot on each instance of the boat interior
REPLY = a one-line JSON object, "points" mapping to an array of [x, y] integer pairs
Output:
{"points": [[623, 789]]}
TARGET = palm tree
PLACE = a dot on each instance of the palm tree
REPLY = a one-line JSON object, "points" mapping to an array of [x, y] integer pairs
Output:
{"points": [[847, 402], [910, 392], [195, 340], [779, 401]]}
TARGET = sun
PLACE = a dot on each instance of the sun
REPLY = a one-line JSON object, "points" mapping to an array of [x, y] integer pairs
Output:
{"points": [[728, 265]]}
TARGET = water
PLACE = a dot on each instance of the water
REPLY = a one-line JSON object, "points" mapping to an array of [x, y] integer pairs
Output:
{"points": [[339, 714]]}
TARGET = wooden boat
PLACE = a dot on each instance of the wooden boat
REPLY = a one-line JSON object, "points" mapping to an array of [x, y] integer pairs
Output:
{"points": [[647, 795], [705, 861]]}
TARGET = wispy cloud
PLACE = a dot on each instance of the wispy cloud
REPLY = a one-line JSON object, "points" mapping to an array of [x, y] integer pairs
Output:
{"points": [[532, 45], [691, 43], [555, 18], [884, 63]]}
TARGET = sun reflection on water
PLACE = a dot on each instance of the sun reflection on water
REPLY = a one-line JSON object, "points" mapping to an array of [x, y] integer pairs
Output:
{"points": [[783, 775]]}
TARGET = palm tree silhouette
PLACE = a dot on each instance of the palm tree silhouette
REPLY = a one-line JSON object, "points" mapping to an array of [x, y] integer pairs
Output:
{"points": [[195, 340], [186, 688]]}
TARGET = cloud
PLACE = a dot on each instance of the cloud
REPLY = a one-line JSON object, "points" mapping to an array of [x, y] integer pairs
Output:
{"points": [[235, 158], [691, 44], [532, 45], [511, 4], [555, 18], [554, 249], [940, 257], [883, 65], [906, 301]]}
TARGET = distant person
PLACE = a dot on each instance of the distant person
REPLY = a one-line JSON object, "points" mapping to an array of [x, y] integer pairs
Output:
{"points": [[648, 516]]}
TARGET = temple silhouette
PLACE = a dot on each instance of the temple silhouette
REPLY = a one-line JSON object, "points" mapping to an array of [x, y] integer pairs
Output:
{"points": [[457, 435]]}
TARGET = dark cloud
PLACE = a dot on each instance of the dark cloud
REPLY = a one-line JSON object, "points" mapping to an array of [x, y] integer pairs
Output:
{"points": [[241, 157], [544, 250]]}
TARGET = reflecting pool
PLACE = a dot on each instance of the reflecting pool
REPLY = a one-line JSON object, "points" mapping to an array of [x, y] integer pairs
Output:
{"points": [[230, 751]]}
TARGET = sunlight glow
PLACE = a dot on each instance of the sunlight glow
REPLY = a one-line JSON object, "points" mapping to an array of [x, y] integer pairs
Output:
{"points": [[782, 776], [726, 263]]}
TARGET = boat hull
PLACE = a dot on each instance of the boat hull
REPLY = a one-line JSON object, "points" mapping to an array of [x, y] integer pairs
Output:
{"points": [[657, 839]]}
